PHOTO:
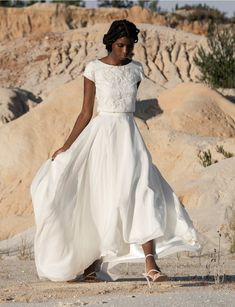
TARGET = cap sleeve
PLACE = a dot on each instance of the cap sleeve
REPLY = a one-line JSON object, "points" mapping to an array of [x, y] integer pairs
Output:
{"points": [[89, 71], [141, 72]]}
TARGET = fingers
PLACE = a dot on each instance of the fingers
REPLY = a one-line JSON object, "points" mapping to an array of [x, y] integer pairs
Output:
{"points": [[53, 156], [59, 151]]}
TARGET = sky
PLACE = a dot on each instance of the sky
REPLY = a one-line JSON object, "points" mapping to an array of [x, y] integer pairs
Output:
{"points": [[227, 6]]}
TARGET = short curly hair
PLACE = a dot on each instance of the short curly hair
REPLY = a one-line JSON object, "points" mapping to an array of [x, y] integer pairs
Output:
{"points": [[118, 29]]}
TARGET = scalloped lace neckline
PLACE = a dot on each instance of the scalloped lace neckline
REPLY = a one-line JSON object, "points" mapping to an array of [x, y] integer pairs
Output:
{"points": [[110, 65]]}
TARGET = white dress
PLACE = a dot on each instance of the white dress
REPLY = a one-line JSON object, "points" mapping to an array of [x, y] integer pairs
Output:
{"points": [[103, 197]]}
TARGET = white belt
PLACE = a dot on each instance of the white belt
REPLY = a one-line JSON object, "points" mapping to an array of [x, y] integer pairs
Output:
{"points": [[115, 113]]}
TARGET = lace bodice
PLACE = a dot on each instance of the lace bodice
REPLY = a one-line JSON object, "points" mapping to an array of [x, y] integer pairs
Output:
{"points": [[116, 86]]}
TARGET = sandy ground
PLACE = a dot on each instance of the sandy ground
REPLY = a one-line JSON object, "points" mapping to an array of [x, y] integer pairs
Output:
{"points": [[192, 282]]}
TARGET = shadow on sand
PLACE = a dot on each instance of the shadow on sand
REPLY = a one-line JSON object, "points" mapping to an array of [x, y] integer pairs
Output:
{"points": [[182, 281], [146, 109]]}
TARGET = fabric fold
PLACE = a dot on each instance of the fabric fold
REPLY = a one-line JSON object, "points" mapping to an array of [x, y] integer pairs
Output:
{"points": [[102, 199]]}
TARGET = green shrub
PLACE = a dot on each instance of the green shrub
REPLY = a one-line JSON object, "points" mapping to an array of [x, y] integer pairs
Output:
{"points": [[70, 2], [225, 153], [205, 158], [115, 3], [218, 65], [210, 15]]}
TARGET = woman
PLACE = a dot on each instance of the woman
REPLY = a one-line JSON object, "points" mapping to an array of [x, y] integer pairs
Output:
{"points": [[100, 199]]}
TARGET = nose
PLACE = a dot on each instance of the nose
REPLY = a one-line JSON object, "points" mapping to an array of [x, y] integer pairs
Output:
{"points": [[125, 51]]}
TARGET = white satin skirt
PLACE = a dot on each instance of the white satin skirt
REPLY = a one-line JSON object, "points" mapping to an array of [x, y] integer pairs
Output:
{"points": [[102, 199]]}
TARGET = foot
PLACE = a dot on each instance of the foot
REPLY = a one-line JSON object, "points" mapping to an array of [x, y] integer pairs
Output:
{"points": [[151, 265], [90, 272]]}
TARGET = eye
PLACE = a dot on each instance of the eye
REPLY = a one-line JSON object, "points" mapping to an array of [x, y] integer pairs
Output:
{"points": [[120, 45]]}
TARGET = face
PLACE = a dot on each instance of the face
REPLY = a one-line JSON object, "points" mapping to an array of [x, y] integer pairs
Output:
{"points": [[122, 48]]}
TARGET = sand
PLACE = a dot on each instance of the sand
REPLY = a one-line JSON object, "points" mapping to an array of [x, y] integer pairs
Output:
{"points": [[188, 274]]}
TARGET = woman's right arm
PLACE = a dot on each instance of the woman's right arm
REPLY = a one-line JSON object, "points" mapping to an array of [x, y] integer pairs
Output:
{"points": [[83, 118]]}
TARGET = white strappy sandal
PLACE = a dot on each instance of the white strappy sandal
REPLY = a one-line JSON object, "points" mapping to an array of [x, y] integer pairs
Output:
{"points": [[158, 277]]}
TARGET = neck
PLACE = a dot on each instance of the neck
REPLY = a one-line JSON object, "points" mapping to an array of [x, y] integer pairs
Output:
{"points": [[117, 62]]}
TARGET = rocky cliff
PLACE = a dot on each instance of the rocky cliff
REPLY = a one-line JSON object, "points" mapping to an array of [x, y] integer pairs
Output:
{"points": [[47, 17]]}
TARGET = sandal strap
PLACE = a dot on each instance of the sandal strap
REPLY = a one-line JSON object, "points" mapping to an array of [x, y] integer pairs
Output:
{"points": [[88, 275], [153, 270], [149, 255]]}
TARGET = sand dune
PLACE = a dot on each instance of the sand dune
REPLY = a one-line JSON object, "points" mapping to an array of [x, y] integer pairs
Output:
{"points": [[197, 109]]}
